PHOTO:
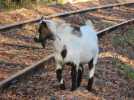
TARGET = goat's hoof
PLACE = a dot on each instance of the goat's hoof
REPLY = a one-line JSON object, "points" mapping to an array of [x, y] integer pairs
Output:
{"points": [[62, 87], [78, 85], [89, 88], [36, 39], [73, 89]]}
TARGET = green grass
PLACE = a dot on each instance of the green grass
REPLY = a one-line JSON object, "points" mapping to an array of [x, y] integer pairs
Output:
{"points": [[126, 68], [130, 36], [5, 5], [108, 23], [118, 40], [127, 39], [122, 42]]}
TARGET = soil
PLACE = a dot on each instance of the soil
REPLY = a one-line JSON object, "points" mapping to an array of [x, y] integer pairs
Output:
{"points": [[18, 50]]}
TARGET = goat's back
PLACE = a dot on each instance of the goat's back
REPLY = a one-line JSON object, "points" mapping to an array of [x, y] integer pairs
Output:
{"points": [[89, 44], [82, 49]]}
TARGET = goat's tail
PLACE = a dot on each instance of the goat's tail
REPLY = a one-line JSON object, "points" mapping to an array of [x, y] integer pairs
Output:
{"points": [[89, 23]]}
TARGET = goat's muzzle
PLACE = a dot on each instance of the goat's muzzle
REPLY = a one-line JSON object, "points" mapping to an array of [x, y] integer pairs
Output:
{"points": [[38, 40]]}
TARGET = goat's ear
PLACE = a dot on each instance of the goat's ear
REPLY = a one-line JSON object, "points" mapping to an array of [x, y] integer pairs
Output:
{"points": [[52, 25], [41, 19]]}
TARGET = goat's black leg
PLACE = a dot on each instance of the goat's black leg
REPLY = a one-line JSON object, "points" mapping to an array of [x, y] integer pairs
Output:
{"points": [[60, 77], [80, 72], [91, 74], [74, 74]]}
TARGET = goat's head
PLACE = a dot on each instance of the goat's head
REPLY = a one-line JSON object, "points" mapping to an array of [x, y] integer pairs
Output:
{"points": [[45, 32], [48, 30]]}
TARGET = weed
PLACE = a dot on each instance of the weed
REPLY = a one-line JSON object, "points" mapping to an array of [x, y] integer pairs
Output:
{"points": [[126, 68]]}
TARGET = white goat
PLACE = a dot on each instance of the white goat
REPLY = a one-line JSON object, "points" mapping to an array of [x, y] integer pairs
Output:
{"points": [[73, 49]]}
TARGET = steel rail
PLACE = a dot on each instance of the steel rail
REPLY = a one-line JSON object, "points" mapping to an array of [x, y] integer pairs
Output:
{"points": [[7, 81], [100, 33], [88, 9], [17, 24]]}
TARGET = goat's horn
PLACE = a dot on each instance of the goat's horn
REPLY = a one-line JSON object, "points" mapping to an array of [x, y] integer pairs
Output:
{"points": [[42, 18]]}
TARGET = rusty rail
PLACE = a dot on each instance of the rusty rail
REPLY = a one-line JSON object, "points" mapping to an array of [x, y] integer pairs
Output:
{"points": [[7, 81], [100, 33], [63, 15]]}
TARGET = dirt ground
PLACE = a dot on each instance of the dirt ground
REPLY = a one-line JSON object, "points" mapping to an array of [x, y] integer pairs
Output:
{"points": [[114, 76], [17, 47], [37, 11]]}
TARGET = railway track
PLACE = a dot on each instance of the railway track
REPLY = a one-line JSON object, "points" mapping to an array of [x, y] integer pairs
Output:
{"points": [[64, 14], [101, 31]]}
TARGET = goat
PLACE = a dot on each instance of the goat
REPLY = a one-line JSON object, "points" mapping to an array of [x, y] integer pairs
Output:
{"points": [[72, 49]]}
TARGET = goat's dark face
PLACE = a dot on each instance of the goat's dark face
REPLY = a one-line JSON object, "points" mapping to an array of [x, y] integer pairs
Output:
{"points": [[44, 34]]}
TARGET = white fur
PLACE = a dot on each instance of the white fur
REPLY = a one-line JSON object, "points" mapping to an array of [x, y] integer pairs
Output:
{"points": [[79, 49], [91, 72]]}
